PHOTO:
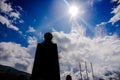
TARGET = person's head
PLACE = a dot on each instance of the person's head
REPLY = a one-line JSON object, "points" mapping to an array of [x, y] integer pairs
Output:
{"points": [[48, 36], [68, 77]]}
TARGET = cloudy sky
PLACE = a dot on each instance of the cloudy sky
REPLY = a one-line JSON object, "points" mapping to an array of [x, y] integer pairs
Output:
{"points": [[91, 35]]}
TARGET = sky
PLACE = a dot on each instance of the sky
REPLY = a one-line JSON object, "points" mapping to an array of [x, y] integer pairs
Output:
{"points": [[93, 35]]}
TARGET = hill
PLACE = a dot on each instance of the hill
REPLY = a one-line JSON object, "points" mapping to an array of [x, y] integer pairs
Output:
{"points": [[9, 73]]}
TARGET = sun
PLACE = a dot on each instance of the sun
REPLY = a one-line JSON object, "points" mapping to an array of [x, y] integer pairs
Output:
{"points": [[73, 11], [76, 11]]}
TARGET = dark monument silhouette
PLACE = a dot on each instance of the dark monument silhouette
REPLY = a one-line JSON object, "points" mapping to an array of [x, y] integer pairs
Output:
{"points": [[46, 63], [68, 77], [22, 77]]}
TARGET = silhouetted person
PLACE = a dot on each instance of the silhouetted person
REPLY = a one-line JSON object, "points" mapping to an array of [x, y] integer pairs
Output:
{"points": [[46, 64], [68, 77]]}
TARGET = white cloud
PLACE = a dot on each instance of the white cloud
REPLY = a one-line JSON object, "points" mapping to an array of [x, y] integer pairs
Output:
{"points": [[116, 12], [4, 7], [6, 21], [113, 0], [20, 8], [32, 45], [92, 2], [21, 21], [116, 1], [31, 29], [75, 47], [11, 15], [15, 15], [16, 56], [13, 27], [100, 30], [32, 40]]}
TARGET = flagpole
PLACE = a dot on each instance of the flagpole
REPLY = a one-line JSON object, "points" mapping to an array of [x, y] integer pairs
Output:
{"points": [[80, 70], [92, 70], [86, 71]]}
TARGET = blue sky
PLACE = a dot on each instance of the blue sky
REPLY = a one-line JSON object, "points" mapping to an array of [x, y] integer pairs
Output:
{"points": [[24, 22], [99, 12], [46, 15]]}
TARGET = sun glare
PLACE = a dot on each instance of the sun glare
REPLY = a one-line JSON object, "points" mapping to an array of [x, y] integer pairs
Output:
{"points": [[73, 11]]}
